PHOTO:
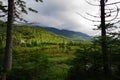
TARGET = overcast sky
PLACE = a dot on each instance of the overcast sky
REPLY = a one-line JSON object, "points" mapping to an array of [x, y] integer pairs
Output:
{"points": [[62, 14]]}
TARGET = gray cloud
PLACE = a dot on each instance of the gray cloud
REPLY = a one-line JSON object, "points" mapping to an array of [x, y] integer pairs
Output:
{"points": [[61, 14]]}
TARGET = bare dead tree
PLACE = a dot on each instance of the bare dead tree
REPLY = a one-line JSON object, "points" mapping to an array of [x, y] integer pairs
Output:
{"points": [[104, 40], [105, 18]]}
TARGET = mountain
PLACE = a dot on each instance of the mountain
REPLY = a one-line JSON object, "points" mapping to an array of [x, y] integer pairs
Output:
{"points": [[32, 35], [69, 34], [38, 35], [73, 35]]}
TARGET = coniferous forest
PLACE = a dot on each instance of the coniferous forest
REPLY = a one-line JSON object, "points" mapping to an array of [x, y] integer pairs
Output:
{"points": [[34, 53]]}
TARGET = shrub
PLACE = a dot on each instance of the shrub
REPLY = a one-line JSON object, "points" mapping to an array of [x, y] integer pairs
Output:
{"points": [[34, 66]]}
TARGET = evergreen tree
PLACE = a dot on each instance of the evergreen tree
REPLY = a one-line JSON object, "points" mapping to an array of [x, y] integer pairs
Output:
{"points": [[12, 13]]}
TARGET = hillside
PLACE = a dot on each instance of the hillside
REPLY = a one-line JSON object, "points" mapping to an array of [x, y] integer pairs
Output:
{"points": [[69, 34], [73, 35], [32, 35], [40, 34]]}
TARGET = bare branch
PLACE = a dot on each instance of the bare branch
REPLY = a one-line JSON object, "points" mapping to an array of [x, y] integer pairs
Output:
{"points": [[87, 18], [117, 12], [91, 3], [92, 15], [105, 4], [114, 3]]}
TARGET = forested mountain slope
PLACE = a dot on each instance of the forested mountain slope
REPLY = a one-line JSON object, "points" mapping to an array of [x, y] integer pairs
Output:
{"points": [[73, 35], [32, 35], [69, 34]]}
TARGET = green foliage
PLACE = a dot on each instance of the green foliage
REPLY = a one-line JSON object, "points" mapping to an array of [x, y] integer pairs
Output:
{"points": [[32, 63], [31, 36], [42, 55], [87, 65], [88, 62], [2, 33], [29, 65], [58, 72]]}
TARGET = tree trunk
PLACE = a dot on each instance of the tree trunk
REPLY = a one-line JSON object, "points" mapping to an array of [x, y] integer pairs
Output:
{"points": [[7, 63], [104, 41]]}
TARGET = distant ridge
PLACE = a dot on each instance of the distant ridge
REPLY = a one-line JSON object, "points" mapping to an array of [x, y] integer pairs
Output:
{"points": [[65, 33], [69, 34]]}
